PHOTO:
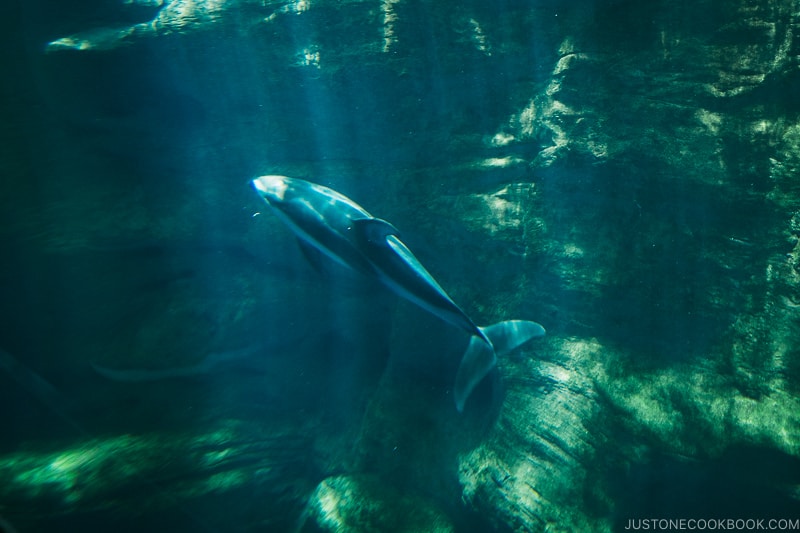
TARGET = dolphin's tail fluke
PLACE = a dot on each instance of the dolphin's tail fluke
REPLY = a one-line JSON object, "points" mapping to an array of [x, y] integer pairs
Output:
{"points": [[480, 358]]}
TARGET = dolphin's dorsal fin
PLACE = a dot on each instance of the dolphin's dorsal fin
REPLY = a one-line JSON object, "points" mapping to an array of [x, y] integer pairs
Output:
{"points": [[374, 230]]}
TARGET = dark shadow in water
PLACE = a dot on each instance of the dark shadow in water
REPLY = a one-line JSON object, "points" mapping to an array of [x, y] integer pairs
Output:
{"points": [[745, 483]]}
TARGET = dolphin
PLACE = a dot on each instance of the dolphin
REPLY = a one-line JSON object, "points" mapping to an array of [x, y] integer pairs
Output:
{"points": [[209, 363], [328, 222]]}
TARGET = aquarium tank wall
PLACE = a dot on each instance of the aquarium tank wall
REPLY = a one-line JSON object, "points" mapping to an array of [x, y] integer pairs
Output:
{"points": [[400, 266]]}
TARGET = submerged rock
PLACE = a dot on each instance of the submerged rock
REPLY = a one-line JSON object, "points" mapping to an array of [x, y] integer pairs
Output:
{"points": [[367, 504]]}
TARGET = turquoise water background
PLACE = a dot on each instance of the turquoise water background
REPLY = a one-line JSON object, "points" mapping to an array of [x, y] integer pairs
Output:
{"points": [[624, 173]]}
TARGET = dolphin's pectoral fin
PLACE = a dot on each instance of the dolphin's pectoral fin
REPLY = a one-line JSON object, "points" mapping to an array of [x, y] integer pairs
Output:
{"points": [[313, 256], [374, 230], [478, 360]]}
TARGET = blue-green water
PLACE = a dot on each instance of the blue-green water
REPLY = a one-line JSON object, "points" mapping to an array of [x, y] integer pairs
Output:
{"points": [[624, 173]]}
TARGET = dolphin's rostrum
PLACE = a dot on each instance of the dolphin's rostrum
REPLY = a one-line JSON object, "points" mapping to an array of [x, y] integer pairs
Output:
{"points": [[342, 230]]}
